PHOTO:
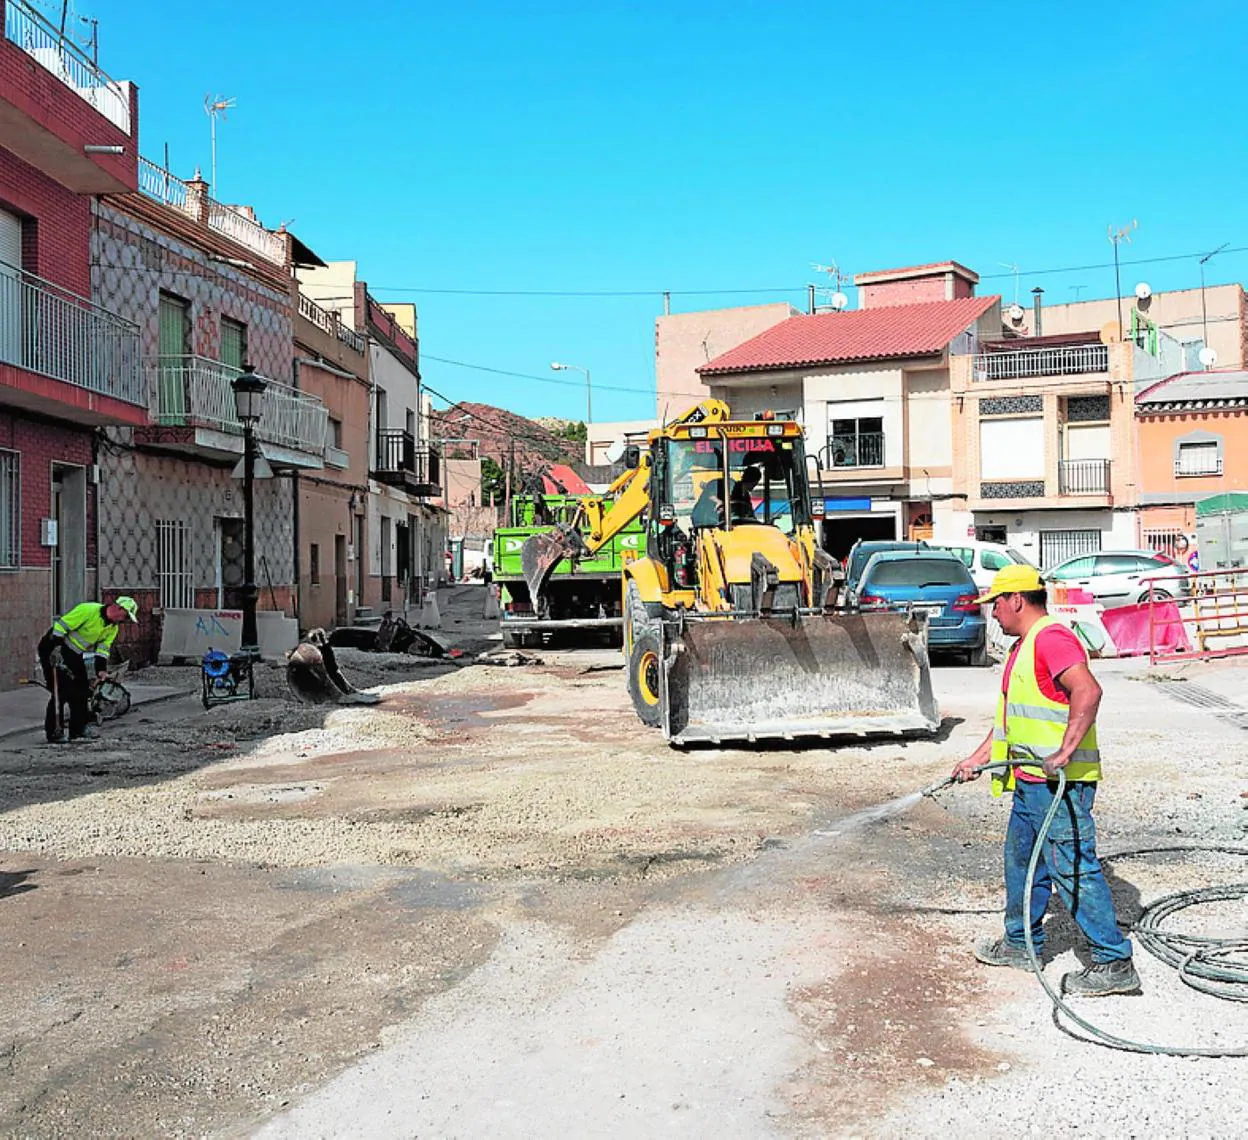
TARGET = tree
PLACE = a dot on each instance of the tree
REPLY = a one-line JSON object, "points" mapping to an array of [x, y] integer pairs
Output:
{"points": [[575, 432], [493, 481]]}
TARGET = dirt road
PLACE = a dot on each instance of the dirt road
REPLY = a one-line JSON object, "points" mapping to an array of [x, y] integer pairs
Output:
{"points": [[494, 904]]}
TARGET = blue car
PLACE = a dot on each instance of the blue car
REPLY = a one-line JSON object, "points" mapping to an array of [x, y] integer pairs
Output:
{"points": [[936, 582]]}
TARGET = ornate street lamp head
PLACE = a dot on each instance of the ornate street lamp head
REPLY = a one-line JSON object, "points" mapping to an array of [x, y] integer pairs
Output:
{"points": [[248, 395]]}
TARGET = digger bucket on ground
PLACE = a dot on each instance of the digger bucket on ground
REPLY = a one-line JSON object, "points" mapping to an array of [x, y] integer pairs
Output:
{"points": [[541, 554], [755, 678]]}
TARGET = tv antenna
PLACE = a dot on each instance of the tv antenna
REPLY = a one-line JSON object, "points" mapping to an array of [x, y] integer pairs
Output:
{"points": [[836, 295], [1013, 268], [215, 107], [1116, 238]]}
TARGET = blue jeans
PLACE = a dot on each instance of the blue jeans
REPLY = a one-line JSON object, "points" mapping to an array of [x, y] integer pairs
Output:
{"points": [[1067, 862]]}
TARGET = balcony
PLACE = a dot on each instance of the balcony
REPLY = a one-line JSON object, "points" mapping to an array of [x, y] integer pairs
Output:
{"points": [[866, 449], [1050, 360], [51, 111], [330, 324], [1083, 477], [191, 199], [69, 358], [401, 463], [193, 406]]}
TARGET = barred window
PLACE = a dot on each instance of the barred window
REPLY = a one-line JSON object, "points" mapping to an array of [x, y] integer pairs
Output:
{"points": [[10, 511], [173, 565], [1058, 545]]}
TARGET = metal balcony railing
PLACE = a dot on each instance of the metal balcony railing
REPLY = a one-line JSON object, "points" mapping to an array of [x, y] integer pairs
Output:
{"points": [[1057, 360], [56, 333], [193, 391], [330, 323], [1083, 477], [399, 457], [1198, 461], [158, 183], [58, 54], [866, 449]]}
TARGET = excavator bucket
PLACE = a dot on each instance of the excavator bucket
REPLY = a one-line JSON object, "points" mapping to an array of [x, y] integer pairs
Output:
{"points": [[829, 675], [541, 554]]}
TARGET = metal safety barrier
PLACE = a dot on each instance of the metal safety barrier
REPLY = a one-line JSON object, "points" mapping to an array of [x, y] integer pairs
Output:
{"points": [[1212, 621]]}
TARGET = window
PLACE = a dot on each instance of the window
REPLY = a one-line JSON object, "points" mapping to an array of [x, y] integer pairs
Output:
{"points": [[1122, 564], [1201, 457], [857, 442], [966, 554], [173, 565], [233, 343], [918, 572], [992, 560], [1058, 545], [10, 511], [335, 432], [1079, 568], [314, 564]]}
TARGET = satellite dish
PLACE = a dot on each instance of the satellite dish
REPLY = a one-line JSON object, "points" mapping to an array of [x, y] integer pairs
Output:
{"points": [[1016, 313], [615, 452], [839, 301], [1207, 356], [1110, 333], [1143, 291]]}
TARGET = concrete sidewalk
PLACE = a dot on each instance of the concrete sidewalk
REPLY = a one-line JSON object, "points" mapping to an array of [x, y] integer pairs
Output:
{"points": [[21, 709]]}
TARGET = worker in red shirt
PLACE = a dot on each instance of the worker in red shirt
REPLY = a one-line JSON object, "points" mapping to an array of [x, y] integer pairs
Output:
{"points": [[1046, 721]]}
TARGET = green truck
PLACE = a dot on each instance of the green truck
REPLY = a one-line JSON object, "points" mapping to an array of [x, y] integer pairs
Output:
{"points": [[584, 596]]}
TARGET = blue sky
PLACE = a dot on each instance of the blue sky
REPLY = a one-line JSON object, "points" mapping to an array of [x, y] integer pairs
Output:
{"points": [[468, 154]]}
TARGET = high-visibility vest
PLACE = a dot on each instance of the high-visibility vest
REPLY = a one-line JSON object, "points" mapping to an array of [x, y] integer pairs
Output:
{"points": [[1030, 726], [85, 629]]}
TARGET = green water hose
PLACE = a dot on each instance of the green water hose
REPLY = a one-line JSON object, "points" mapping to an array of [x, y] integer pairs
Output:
{"points": [[1205, 964]]}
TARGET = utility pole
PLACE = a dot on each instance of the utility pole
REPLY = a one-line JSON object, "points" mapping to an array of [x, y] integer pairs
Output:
{"points": [[1204, 316]]}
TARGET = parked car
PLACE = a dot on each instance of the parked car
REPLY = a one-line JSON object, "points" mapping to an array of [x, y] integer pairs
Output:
{"points": [[860, 554], [1122, 577], [984, 559], [934, 581]]}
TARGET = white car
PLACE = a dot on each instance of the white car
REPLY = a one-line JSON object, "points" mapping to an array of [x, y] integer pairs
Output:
{"points": [[1123, 577], [984, 559]]}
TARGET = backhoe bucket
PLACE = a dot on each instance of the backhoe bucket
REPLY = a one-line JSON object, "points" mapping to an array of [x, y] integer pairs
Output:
{"points": [[756, 678], [541, 554]]}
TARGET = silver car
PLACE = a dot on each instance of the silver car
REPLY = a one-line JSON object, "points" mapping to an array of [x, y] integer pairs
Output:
{"points": [[1122, 577]]}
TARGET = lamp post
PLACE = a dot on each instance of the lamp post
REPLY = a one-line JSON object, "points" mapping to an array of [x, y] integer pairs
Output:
{"points": [[589, 399], [249, 406]]}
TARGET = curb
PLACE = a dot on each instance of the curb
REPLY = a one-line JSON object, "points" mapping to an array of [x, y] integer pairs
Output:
{"points": [[37, 726]]}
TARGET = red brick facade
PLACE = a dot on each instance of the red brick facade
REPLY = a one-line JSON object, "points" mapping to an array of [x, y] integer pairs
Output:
{"points": [[56, 234]]}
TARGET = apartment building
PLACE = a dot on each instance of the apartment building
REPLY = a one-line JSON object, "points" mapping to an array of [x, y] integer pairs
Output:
{"points": [[400, 540], [69, 366], [332, 363], [872, 387], [1192, 443], [209, 289]]}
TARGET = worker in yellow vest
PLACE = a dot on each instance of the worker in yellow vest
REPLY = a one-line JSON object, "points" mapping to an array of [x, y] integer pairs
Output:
{"points": [[86, 631], [1046, 720]]}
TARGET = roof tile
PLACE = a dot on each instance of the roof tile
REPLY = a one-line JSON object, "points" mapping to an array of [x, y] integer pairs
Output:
{"points": [[865, 334]]}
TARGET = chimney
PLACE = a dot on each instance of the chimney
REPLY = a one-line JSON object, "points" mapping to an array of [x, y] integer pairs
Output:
{"points": [[810, 299], [1036, 294]]}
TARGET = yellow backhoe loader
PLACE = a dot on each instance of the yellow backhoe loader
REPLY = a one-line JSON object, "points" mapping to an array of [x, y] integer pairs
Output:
{"points": [[730, 626]]}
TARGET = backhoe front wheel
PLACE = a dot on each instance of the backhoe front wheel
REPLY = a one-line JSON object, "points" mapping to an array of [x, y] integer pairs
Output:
{"points": [[645, 679]]}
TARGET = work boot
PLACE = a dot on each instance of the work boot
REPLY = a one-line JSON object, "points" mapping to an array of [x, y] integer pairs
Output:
{"points": [[999, 952], [90, 732], [1102, 979]]}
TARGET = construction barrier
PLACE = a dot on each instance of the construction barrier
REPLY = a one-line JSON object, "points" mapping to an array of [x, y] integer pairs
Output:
{"points": [[1212, 621]]}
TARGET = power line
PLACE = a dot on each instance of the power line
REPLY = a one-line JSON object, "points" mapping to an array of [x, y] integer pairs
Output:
{"points": [[607, 293], [530, 376]]}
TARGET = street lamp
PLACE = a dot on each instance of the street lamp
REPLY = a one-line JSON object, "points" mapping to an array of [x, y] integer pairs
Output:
{"points": [[249, 406], [589, 398]]}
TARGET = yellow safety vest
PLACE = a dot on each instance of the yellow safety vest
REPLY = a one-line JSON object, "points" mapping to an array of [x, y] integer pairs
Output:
{"points": [[85, 630], [1030, 726]]}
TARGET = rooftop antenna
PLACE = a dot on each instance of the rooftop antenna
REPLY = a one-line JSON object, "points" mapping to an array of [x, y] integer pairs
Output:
{"points": [[1013, 268], [1116, 237], [213, 108], [1077, 289], [837, 297]]}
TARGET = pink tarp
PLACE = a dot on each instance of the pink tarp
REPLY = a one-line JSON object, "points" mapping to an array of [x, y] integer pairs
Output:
{"points": [[1128, 627]]}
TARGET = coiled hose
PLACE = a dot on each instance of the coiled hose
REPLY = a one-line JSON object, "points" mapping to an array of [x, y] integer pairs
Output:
{"points": [[1205, 964]]}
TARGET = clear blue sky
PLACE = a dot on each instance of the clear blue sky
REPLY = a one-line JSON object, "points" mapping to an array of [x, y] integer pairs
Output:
{"points": [[705, 148]]}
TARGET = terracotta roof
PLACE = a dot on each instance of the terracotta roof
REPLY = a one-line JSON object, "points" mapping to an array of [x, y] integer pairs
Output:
{"points": [[908, 270], [865, 334]]}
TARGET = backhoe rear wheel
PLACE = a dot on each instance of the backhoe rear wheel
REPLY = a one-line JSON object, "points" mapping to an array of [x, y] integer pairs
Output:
{"points": [[645, 683]]}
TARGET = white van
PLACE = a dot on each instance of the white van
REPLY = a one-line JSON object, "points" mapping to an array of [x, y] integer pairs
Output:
{"points": [[984, 559]]}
